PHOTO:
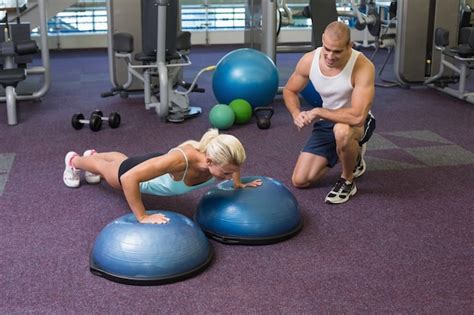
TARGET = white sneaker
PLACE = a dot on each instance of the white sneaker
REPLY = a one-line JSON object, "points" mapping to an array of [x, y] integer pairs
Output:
{"points": [[91, 178], [71, 175], [341, 192]]}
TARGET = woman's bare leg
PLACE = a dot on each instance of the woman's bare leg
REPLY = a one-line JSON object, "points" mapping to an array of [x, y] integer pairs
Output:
{"points": [[104, 164]]}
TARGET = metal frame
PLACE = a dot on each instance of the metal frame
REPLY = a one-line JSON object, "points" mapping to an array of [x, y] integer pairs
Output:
{"points": [[462, 71], [172, 105], [10, 94]]}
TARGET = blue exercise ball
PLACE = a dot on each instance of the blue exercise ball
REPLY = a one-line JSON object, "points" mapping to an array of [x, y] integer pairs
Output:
{"points": [[130, 252], [311, 96], [245, 74], [260, 215]]}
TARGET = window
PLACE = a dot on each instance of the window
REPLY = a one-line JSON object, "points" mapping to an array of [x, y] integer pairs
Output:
{"points": [[91, 17]]}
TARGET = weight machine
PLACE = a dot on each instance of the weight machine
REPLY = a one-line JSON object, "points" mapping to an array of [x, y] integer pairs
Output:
{"points": [[433, 48], [458, 59], [165, 51], [16, 48], [264, 19], [416, 57], [369, 21]]}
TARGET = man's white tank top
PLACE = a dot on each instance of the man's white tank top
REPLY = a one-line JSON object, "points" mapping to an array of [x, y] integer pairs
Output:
{"points": [[335, 91]]}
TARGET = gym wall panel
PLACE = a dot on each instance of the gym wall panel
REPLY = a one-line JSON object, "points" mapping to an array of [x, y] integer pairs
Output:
{"points": [[416, 57]]}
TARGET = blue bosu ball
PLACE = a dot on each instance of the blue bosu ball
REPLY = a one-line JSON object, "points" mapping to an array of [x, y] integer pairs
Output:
{"points": [[311, 96], [245, 74], [259, 215], [129, 252]]}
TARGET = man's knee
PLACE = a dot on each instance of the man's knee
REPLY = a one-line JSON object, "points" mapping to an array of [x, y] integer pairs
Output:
{"points": [[300, 181], [342, 132], [345, 135], [303, 178]]}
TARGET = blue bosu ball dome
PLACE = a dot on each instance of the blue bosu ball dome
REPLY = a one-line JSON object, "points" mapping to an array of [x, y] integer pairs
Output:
{"points": [[259, 215], [129, 252]]}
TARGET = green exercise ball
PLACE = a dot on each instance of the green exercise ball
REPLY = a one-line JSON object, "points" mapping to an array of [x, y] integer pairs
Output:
{"points": [[242, 110], [221, 116]]}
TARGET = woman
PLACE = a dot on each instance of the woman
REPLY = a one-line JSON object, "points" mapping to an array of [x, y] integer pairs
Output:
{"points": [[189, 166]]}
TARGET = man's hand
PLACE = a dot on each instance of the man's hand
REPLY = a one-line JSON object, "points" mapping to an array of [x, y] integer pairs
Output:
{"points": [[302, 119], [313, 115]]}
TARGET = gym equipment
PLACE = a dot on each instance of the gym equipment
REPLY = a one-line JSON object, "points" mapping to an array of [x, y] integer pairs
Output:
{"points": [[260, 215], [113, 119], [464, 19], [221, 116], [78, 121], [370, 19], [311, 96], [367, 19], [263, 21], [242, 110], [130, 252], [386, 39], [463, 60], [416, 57], [264, 115], [165, 52], [16, 48], [248, 74]]}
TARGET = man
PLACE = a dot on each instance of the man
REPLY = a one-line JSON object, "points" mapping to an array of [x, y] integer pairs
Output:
{"points": [[345, 79]]}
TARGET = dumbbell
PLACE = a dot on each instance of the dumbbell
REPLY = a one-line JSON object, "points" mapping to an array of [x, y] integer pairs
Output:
{"points": [[113, 119], [264, 114], [78, 121]]}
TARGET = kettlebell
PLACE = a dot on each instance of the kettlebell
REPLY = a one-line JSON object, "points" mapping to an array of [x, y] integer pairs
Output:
{"points": [[264, 114]]}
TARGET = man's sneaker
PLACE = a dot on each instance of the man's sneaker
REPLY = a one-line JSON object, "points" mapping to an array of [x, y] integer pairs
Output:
{"points": [[360, 167], [71, 175], [91, 178], [341, 192]]}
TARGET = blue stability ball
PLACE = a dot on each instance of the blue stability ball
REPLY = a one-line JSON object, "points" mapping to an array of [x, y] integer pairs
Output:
{"points": [[260, 215], [133, 253], [246, 74], [311, 96]]}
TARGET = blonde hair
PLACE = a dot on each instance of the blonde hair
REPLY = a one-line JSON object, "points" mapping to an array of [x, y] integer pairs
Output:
{"points": [[221, 148]]}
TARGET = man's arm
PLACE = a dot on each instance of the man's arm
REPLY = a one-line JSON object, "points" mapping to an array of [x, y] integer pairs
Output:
{"points": [[296, 83], [362, 97]]}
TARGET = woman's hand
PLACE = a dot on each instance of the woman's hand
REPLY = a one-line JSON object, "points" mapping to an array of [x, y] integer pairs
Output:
{"points": [[156, 218], [254, 183]]}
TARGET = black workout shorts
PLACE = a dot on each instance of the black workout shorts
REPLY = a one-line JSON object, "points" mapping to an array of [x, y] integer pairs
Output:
{"points": [[134, 161], [322, 141], [369, 128]]}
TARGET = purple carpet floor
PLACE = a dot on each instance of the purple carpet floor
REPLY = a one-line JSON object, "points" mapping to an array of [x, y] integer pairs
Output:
{"points": [[403, 245]]}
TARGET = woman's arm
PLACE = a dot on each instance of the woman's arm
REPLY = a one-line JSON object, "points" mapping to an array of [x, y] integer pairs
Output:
{"points": [[155, 167]]}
